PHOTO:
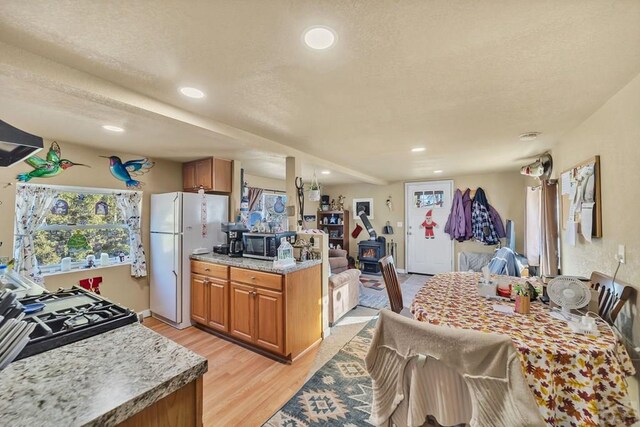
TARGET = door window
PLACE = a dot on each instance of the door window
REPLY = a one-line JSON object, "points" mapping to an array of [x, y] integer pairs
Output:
{"points": [[428, 199]]}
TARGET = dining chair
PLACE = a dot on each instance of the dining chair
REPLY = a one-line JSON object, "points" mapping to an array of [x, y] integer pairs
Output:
{"points": [[611, 295], [456, 376], [392, 285]]}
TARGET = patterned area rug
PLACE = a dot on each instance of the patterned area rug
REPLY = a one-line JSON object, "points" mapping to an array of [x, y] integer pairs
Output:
{"points": [[338, 394], [372, 282]]}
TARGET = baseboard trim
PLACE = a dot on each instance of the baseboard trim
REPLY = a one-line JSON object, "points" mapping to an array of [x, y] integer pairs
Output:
{"points": [[305, 351], [144, 314], [248, 346], [326, 332], [401, 270]]}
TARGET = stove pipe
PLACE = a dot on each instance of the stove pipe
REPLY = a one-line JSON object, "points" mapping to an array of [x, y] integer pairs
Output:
{"points": [[367, 224]]}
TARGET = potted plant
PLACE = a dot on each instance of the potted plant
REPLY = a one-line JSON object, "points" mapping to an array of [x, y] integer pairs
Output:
{"points": [[314, 189], [523, 299]]}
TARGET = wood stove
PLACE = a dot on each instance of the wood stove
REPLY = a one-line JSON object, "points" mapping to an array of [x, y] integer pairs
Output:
{"points": [[369, 252]]}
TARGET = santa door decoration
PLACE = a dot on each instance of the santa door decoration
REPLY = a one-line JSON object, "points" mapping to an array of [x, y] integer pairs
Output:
{"points": [[428, 224]]}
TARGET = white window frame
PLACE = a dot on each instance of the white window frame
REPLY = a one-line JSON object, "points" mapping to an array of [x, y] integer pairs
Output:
{"points": [[76, 266]]}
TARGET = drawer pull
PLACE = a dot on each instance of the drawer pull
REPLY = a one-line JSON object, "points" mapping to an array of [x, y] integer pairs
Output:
{"points": [[207, 269], [253, 277]]}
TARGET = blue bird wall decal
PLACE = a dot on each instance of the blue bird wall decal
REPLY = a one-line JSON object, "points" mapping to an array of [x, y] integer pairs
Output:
{"points": [[124, 171]]}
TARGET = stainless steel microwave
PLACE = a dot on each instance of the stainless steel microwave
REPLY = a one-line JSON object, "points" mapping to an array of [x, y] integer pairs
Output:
{"points": [[265, 245]]}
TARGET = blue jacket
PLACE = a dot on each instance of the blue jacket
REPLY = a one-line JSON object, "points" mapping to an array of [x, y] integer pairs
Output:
{"points": [[505, 262]]}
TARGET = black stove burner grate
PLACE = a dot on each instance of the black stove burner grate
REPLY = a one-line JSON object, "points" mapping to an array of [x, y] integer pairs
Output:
{"points": [[72, 315]]}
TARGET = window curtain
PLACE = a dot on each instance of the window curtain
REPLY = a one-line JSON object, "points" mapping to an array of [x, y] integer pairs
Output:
{"points": [[254, 198], [533, 224], [32, 205], [549, 252], [129, 205]]}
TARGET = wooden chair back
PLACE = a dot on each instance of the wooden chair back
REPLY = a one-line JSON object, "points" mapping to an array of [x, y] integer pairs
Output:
{"points": [[390, 277], [611, 296]]}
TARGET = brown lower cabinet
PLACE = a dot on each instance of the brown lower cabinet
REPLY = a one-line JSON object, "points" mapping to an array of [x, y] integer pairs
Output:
{"points": [[218, 309], [257, 316], [183, 407], [281, 314], [242, 309], [198, 298]]}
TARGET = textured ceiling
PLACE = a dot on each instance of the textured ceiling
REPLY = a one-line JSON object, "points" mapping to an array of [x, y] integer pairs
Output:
{"points": [[460, 78]]}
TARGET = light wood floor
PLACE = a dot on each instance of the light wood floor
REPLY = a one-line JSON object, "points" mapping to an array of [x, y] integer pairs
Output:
{"points": [[241, 388]]}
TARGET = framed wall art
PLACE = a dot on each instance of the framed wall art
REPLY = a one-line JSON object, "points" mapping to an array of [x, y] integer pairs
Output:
{"points": [[360, 205]]}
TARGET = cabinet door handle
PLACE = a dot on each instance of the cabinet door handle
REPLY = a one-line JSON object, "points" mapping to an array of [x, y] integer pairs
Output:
{"points": [[254, 293]]}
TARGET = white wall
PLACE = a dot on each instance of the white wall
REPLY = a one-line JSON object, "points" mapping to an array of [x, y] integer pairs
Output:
{"points": [[613, 132], [505, 191], [118, 285]]}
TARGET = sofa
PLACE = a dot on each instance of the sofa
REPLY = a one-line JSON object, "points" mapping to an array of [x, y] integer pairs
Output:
{"points": [[344, 293], [338, 261]]}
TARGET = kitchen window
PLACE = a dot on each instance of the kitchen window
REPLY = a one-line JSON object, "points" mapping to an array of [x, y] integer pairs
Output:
{"points": [[75, 229], [269, 213]]}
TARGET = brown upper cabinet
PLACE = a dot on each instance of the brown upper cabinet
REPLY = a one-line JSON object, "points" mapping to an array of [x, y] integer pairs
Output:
{"points": [[211, 174]]}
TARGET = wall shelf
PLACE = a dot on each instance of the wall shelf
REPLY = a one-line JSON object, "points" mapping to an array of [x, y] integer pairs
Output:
{"points": [[342, 229]]}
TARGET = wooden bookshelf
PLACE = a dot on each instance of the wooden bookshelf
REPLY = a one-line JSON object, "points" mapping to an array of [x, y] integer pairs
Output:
{"points": [[341, 227]]}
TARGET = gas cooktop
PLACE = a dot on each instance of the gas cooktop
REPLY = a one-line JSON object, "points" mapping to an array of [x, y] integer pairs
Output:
{"points": [[71, 315]]}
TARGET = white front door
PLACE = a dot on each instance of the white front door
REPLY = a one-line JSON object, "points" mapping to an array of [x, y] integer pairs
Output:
{"points": [[429, 250]]}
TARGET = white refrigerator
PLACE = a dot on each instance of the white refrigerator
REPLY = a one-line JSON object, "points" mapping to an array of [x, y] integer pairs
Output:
{"points": [[176, 230]]}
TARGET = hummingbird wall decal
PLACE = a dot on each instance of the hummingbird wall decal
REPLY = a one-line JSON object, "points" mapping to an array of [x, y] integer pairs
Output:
{"points": [[46, 168], [124, 171]]}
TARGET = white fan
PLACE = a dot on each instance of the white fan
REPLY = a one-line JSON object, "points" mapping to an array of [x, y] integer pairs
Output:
{"points": [[570, 293]]}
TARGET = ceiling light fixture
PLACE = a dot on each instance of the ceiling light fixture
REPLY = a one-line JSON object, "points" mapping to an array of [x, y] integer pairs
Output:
{"points": [[325, 172], [418, 149], [529, 136], [319, 37], [112, 128], [192, 92], [438, 171]]}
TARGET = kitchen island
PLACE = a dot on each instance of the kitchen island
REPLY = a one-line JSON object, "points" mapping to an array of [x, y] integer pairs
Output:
{"points": [[254, 264], [275, 311], [127, 376]]}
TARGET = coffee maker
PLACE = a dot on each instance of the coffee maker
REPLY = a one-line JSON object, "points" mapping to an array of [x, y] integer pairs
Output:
{"points": [[234, 231]]}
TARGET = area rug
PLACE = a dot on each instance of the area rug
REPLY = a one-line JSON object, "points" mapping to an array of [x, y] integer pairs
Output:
{"points": [[338, 394], [372, 282], [375, 295]]}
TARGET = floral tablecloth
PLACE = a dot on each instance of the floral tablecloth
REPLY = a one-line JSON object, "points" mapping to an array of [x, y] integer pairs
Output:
{"points": [[577, 380]]}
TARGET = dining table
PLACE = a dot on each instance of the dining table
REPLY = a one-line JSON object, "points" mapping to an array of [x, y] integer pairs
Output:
{"points": [[576, 379]]}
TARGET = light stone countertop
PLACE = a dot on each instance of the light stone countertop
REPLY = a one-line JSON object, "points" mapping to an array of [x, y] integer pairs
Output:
{"points": [[254, 264], [99, 381]]}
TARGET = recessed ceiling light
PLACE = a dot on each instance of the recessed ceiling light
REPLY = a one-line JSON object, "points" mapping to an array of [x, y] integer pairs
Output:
{"points": [[112, 128], [418, 149], [192, 92], [529, 136], [325, 172], [438, 171], [319, 37]]}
